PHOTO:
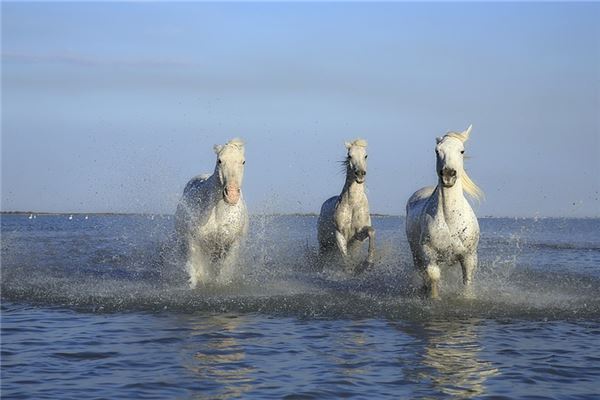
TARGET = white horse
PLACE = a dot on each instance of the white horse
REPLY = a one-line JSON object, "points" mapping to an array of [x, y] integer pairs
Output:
{"points": [[440, 223], [344, 221], [212, 219]]}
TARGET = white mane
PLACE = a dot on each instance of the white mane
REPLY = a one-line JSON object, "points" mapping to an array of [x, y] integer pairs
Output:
{"points": [[469, 186], [357, 142], [236, 142]]}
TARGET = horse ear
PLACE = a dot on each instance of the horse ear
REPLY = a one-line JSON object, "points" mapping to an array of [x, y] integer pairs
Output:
{"points": [[467, 133], [217, 148], [348, 145], [438, 139]]}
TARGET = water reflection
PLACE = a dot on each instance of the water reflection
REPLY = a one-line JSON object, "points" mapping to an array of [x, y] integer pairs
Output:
{"points": [[350, 359], [450, 359], [216, 358]]}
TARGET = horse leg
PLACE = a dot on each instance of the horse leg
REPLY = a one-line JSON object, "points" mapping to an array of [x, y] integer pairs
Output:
{"points": [[342, 246], [197, 266], [371, 251], [368, 232], [469, 265], [228, 264], [432, 276]]}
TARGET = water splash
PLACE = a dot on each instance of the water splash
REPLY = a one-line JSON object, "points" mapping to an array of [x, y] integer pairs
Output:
{"points": [[130, 264]]}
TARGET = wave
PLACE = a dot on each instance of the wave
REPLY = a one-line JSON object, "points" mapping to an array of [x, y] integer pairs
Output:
{"points": [[127, 264], [385, 292]]}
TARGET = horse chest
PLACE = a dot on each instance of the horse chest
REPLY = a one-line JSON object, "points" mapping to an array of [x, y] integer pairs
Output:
{"points": [[350, 220], [448, 240], [224, 224]]}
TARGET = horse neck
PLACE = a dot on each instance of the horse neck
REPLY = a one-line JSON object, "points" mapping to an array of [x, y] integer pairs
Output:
{"points": [[450, 201], [214, 187], [352, 192]]}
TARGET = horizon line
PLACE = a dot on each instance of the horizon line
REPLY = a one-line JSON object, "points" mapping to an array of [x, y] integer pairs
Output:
{"points": [[306, 214]]}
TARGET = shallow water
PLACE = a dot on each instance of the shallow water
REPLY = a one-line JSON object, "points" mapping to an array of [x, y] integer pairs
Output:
{"points": [[100, 308]]}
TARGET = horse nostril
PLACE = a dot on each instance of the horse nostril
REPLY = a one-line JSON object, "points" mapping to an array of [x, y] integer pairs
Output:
{"points": [[450, 172]]}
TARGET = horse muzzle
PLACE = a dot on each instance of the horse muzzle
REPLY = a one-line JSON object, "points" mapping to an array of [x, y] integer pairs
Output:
{"points": [[359, 176], [448, 176], [232, 194]]}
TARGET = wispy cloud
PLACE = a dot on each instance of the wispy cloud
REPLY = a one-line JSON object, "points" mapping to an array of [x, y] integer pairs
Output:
{"points": [[91, 61]]}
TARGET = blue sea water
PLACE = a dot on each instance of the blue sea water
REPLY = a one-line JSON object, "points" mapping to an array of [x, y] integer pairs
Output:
{"points": [[99, 308]]}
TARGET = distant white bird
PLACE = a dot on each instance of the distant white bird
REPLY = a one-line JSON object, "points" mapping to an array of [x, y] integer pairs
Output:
{"points": [[30, 216], [70, 217], [86, 217]]}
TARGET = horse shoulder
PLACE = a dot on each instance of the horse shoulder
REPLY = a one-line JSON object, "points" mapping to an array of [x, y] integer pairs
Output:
{"points": [[468, 231], [360, 214], [342, 216]]}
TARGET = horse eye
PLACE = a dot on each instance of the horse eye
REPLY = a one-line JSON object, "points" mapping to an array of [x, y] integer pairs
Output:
{"points": [[366, 155], [244, 162], [462, 152], [219, 161]]}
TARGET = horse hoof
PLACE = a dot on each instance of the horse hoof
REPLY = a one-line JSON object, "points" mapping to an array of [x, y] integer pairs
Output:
{"points": [[365, 266], [469, 294]]}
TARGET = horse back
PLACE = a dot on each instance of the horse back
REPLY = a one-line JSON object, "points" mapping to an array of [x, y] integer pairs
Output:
{"points": [[195, 184], [325, 225], [328, 206], [420, 196]]}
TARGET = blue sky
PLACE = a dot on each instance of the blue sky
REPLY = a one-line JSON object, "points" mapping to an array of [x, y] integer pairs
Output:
{"points": [[114, 106]]}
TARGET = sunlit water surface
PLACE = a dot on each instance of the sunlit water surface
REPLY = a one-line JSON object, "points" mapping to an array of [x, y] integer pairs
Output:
{"points": [[99, 308]]}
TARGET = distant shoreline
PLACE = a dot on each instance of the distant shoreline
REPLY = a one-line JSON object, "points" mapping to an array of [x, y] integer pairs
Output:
{"points": [[378, 215], [71, 213], [146, 213]]}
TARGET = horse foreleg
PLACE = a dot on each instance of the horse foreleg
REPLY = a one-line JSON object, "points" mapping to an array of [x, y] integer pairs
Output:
{"points": [[469, 265], [371, 251], [367, 232], [432, 278], [228, 264], [197, 265], [342, 246]]}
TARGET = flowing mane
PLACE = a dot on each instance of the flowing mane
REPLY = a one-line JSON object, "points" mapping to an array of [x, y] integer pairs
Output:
{"points": [[469, 186], [357, 142], [235, 142]]}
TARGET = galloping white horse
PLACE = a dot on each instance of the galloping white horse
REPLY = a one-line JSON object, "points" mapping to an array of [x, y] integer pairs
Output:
{"points": [[212, 219], [440, 224], [344, 221]]}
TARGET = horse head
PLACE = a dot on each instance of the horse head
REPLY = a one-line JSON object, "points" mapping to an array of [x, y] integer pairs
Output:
{"points": [[230, 169], [356, 160]]}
